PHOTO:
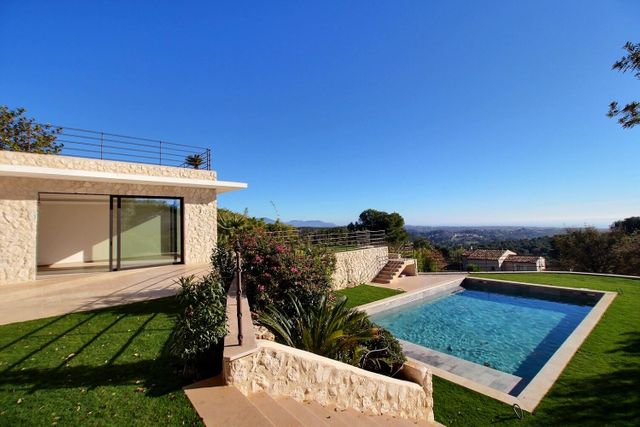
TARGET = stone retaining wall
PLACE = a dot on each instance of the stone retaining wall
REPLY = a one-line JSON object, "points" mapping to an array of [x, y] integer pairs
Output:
{"points": [[359, 266], [279, 370]]}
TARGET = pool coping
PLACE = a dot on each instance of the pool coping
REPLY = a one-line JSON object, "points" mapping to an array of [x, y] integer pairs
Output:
{"points": [[529, 398]]}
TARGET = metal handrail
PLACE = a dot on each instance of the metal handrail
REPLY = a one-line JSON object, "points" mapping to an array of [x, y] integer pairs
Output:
{"points": [[239, 292], [341, 240], [111, 146]]}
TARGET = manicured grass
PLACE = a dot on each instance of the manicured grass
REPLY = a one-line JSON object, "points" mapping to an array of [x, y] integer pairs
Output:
{"points": [[363, 294], [601, 384], [107, 367]]}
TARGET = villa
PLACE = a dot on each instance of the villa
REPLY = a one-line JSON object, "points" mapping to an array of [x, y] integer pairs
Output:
{"points": [[65, 213], [501, 260], [116, 210]]}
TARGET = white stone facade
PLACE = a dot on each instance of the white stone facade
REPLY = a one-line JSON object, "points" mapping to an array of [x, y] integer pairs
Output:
{"points": [[279, 370], [359, 266], [19, 206]]}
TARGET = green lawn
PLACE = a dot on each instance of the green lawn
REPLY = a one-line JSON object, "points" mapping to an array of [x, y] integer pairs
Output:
{"points": [[110, 366], [600, 386], [107, 367], [363, 294]]}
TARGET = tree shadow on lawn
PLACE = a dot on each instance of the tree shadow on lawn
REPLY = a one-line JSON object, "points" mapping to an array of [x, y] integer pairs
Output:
{"points": [[611, 398], [154, 376], [158, 377]]}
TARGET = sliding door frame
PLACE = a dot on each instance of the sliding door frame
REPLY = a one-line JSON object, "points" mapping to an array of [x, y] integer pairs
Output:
{"points": [[116, 264]]}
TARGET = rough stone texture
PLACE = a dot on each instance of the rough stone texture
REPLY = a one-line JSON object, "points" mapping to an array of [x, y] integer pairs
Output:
{"points": [[19, 207], [360, 266], [94, 165], [279, 370]]}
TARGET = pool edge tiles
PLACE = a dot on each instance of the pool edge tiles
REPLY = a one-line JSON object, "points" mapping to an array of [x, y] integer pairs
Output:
{"points": [[484, 375], [531, 395]]}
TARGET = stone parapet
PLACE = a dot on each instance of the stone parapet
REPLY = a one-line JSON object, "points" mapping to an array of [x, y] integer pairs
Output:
{"points": [[279, 370], [95, 165]]}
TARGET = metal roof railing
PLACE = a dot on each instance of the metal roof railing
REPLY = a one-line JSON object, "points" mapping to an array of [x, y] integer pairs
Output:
{"points": [[339, 241], [110, 146]]}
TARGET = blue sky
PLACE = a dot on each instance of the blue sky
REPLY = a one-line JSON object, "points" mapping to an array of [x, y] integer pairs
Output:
{"points": [[457, 112]]}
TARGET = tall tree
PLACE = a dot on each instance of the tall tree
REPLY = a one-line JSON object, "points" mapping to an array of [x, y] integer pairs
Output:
{"points": [[19, 133], [629, 115], [627, 253], [391, 223], [627, 225], [587, 249]]}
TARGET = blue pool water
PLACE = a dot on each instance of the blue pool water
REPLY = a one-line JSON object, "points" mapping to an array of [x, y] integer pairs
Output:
{"points": [[512, 334]]}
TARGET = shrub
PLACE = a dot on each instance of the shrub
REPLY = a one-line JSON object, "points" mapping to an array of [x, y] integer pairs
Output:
{"points": [[473, 267], [383, 354], [201, 325], [333, 330], [273, 271], [324, 328], [223, 262]]}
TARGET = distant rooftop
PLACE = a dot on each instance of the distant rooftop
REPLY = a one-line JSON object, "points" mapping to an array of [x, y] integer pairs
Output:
{"points": [[485, 254], [522, 259]]}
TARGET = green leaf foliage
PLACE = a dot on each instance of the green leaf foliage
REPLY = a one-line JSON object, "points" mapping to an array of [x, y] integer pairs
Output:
{"points": [[391, 223], [195, 161], [629, 114], [332, 329], [275, 269], [201, 323], [19, 133]]}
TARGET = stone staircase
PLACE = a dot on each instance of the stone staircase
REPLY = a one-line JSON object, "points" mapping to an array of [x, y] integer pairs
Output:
{"points": [[224, 405], [390, 271]]}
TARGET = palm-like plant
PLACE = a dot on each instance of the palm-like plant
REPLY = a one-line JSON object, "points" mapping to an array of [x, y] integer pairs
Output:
{"points": [[194, 160], [330, 330]]}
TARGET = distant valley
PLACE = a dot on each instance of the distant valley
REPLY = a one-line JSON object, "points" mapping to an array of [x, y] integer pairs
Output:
{"points": [[452, 236]]}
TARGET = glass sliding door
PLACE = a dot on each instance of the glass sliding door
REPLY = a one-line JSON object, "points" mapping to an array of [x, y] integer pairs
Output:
{"points": [[146, 231]]}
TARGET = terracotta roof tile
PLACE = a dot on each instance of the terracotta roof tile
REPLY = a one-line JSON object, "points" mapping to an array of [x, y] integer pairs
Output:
{"points": [[485, 254], [522, 259]]}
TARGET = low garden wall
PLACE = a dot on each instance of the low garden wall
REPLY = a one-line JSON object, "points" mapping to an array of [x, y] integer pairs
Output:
{"points": [[279, 370], [359, 266]]}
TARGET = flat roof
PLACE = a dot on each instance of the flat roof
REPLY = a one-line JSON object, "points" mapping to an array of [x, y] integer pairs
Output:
{"points": [[124, 178]]}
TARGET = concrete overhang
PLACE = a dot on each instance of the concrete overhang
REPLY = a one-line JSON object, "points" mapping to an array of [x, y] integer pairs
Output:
{"points": [[122, 178]]}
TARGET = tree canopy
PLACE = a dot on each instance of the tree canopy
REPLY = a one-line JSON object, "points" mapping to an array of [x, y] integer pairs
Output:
{"points": [[627, 225], [591, 250], [391, 223], [629, 115], [19, 133]]}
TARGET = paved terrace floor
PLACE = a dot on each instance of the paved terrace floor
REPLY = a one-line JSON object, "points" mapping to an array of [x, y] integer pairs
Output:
{"points": [[420, 282], [61, 294]]}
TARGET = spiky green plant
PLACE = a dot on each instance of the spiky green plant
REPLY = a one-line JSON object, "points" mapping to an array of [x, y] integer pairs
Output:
{"points": [[194, 161], [327, 329]]}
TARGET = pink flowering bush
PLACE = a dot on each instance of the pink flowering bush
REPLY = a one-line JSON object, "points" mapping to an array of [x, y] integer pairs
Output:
{"points": [[273, 270]]}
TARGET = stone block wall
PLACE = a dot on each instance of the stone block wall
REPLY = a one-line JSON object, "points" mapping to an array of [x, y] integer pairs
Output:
{"points": [[95, 165], [279, 370], [359, 266], [19, 206]]}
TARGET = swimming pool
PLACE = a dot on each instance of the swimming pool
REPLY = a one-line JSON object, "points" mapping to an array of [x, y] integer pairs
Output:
{"points": [[511, 329]]}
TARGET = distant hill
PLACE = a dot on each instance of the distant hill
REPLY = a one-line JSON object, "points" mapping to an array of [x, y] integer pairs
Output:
{"points": [[478, 235], [301, 223]]}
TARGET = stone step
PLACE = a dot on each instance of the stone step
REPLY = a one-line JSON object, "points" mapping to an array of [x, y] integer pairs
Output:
{"points": [[305, 415], [273, 410], [385, 274], [223, 405], [350, 417], [330, 416]]}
